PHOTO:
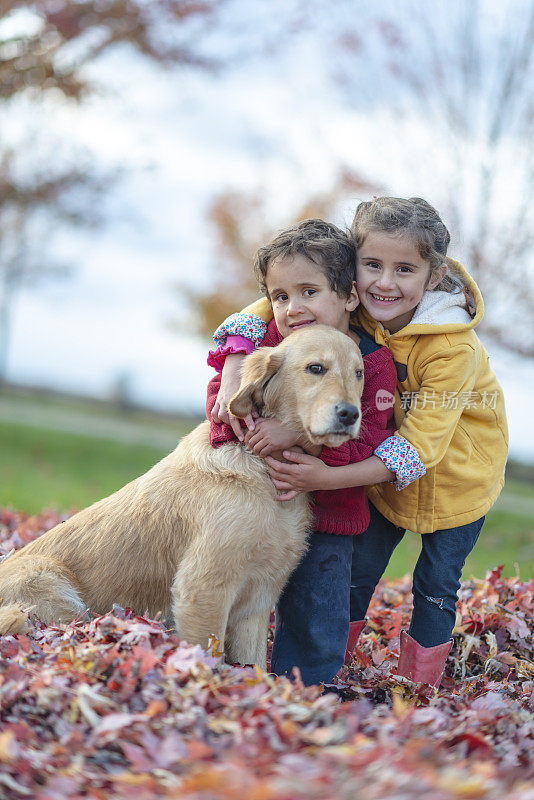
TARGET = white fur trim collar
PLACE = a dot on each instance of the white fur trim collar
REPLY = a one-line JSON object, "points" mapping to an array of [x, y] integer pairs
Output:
{"points": [[441, 308]]}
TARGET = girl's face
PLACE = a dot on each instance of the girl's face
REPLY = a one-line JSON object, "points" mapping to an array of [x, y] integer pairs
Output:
{"points": [[301, 295], [392, 277]]}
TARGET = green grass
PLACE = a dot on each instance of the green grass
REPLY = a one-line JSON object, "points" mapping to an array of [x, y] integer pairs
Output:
{"points": [[506, 538], [49, 469], [41, 469]]}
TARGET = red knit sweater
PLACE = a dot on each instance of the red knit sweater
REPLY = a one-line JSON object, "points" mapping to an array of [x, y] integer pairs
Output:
{"points": [[341, 511]]}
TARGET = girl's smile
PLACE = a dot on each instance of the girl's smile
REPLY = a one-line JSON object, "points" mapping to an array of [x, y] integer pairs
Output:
{"points": [[392, 277]]}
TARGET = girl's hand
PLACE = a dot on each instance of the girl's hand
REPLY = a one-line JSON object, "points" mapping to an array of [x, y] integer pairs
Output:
{"points": [[230, 381], [304, 473], [269, 436]]}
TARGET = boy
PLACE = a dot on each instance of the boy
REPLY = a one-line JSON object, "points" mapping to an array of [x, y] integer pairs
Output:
{"points": [[308, 273]]}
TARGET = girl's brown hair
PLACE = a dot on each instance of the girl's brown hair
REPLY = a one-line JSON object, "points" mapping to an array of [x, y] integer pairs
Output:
{"points": [[414, 218]]}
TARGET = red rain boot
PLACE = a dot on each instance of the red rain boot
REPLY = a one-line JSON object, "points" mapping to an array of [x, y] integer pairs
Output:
{"points": [[355, 628], [422, 664]]}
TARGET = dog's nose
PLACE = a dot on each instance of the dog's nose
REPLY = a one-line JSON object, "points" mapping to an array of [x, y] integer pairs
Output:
{"points": [[347, 413]]}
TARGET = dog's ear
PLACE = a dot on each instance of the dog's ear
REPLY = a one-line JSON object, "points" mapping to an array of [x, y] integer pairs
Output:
{"points": [[258, 369]]}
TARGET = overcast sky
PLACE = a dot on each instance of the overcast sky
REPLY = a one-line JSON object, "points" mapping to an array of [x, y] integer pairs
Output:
{"points": [[271, 126]]}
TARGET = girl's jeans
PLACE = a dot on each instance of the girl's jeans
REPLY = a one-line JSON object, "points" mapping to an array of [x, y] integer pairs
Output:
{"points": [[335, 581]]}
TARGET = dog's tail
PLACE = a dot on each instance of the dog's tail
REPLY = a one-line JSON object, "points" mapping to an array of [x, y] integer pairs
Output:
{"points": [[39, 585], [14, 619]]}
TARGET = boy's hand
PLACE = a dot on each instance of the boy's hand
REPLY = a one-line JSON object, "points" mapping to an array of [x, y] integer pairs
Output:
{"points": [[230, 382], [269, 436], [305, 474]]}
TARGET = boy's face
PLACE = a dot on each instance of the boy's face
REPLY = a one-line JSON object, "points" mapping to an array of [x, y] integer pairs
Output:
{"points": [[301, 295]]}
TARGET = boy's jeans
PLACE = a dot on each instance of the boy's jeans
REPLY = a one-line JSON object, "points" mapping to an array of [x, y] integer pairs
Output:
{"points": [[312, 615], [335, 581]]}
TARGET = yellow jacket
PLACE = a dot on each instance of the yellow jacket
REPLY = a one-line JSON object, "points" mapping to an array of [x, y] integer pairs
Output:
{"points": [[448, 405]]}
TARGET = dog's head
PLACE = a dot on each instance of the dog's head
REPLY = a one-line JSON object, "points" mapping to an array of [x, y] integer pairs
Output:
{"points": [[312, 381]]}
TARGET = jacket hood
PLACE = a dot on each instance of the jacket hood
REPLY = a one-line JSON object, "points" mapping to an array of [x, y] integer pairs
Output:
{"points": [[444, 312]]}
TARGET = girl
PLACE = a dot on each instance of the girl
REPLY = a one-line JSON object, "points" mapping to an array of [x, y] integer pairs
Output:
{"points": [[449, 450]]}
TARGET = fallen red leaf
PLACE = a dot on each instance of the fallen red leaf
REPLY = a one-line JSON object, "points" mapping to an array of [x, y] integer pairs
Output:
{"points": [[118, 708]]}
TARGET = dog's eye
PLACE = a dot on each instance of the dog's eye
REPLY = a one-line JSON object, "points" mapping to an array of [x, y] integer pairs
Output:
{"points": [[316, 369], [359, 374]]}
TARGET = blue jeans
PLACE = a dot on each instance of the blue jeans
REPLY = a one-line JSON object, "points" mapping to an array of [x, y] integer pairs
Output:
{"points": [[312, 615], [436, 577], [335, 581]]}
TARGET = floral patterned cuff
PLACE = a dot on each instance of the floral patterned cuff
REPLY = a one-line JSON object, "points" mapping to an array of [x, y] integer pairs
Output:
{"points": [[247, 325], [234, 344], [402, 458]]}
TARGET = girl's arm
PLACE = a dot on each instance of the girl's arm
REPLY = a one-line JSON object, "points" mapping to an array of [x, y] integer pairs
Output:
{"points": [[305, 473], [447, 379], [420, 442], [432, 414]]}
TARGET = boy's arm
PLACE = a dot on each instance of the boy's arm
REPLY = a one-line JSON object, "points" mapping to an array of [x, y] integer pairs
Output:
{"points": [[237, 336], [228, 385], [249, 324], [220, 432], [228, 359], [271, 436]]}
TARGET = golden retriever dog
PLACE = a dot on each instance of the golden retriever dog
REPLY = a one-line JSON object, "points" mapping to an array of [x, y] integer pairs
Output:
{"points": [[200, 537]]}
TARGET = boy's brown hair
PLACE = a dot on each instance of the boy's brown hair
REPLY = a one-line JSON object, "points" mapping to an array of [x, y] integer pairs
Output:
{"points": [[326, 245]]}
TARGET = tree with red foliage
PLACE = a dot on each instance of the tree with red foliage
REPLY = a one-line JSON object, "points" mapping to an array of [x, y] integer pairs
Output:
{"points": [[463, 72], [44, 47], [449, 93], [239, 223]]}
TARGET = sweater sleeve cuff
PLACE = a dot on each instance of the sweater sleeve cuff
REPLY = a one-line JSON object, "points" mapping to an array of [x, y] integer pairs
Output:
{"points": [[234, 344], [248, 326], [402, 458]]}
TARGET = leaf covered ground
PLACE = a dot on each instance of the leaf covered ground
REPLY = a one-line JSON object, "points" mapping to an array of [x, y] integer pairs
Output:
{"points": [[116, 707]]}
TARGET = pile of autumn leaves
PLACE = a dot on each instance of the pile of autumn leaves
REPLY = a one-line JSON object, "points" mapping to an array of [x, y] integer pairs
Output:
{"points": [[118, 708]]}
